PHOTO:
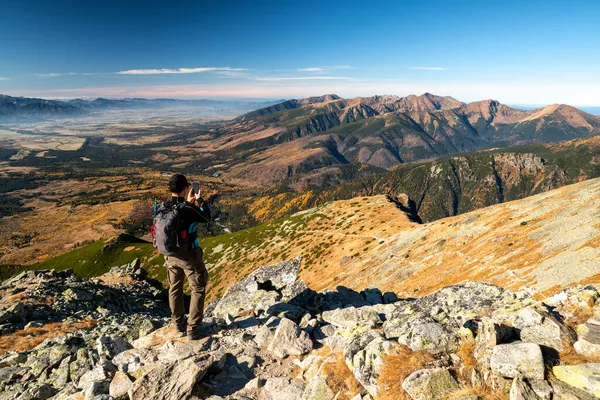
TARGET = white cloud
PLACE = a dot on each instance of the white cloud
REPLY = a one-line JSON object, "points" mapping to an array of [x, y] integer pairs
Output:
{"points": [[55, 74], [302, 78], [314, 69], [3, 79], [177, 71], [429, 68]]}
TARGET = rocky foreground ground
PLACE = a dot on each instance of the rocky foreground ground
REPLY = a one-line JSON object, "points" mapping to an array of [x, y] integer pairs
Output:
{"points": [[271, 337]]}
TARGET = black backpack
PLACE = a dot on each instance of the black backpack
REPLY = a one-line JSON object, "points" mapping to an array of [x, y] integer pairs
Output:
{"points": [[169, 235]]}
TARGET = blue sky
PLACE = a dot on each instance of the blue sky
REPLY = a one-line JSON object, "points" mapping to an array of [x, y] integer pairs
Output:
{"points": [[519, 52]]}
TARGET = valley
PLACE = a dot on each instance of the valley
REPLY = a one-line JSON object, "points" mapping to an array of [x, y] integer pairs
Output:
{"points": [[72, 181]]}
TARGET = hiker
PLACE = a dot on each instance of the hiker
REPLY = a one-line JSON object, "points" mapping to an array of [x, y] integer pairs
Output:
{"points": [[175, 235]]}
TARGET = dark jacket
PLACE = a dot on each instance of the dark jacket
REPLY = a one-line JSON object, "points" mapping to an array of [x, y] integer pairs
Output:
{"points": [[193, 212]]}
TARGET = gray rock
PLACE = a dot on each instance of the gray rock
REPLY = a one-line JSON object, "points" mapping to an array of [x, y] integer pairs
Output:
{"points": [[489, 335], [430, 337], [389, 298], [550, 332], [81, 365], [15, 313], [364, 356], [541, 388], [281, 389], [264, 335], [352, 316], [111, 346], [514, 359], [170, 381], [317, 389], [284, 310], [33, 324], [102, 372], [373, 296], [351, 297], [60, 376], [584, 377], [96, 389], [588, 343], [430, 384], [289, 339], [280, 278], [12, 359], [520, 390], [120, 385]]}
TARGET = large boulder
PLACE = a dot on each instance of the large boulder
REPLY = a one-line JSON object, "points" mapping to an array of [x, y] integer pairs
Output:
{"points": [[171, 381], [430, 384], [489, 335], [281, 389], [588, 343], [430, 337], [289, 339], [120, 385], [280, 278], [352, 316], [351, 297], [514, 359], [541, 327], [585, 377], [364, 355]]}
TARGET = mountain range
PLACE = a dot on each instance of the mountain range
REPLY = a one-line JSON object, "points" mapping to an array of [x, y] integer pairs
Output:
{"points": [[23, 109], [308, 136]]}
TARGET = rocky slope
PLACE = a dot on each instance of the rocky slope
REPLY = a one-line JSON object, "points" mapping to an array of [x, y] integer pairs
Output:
{"points": [[272, 337], [307, 135]]}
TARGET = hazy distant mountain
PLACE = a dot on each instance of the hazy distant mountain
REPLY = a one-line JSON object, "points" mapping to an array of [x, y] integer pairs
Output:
{"points": [[304, 135], [27, 109], [22, 109]]}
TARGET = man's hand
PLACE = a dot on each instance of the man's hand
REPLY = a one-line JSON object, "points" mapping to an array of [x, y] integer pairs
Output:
{"points": [[191, 197]]}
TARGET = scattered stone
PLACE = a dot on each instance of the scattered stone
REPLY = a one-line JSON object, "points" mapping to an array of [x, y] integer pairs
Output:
{"points": [[489, 335], [514, 359], [390, 298], [430, 384], [543, 328], [364, 356], [120, 385], [350, 297], [281, 389], [588, 343], [520, 390], [289, 339], [373, 296], [170, 381], [15, 313], [430, 337], [352, 316], [111, 346]]}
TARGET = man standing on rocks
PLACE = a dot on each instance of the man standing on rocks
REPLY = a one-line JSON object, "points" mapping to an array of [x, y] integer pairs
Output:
{"points": [[175, 236]]}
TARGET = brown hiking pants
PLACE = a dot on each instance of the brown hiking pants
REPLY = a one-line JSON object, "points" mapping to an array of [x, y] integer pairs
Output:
{"points": [[193, 267]]}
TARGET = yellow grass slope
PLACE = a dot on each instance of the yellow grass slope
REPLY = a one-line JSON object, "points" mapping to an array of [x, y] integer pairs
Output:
{"points": [[538, 244]]}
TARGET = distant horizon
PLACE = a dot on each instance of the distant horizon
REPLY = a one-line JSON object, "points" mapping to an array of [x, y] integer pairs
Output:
{"points": [[592, 108]]}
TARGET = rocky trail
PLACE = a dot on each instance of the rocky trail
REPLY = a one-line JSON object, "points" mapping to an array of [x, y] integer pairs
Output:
{"points": [[271, 337]]}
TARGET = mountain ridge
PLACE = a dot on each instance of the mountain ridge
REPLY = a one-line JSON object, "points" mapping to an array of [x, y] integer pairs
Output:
{"points": [[384, 131]]}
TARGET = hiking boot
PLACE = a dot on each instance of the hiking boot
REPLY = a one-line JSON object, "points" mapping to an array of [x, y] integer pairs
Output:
{"points": [[180, 329], [195, 335]]}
